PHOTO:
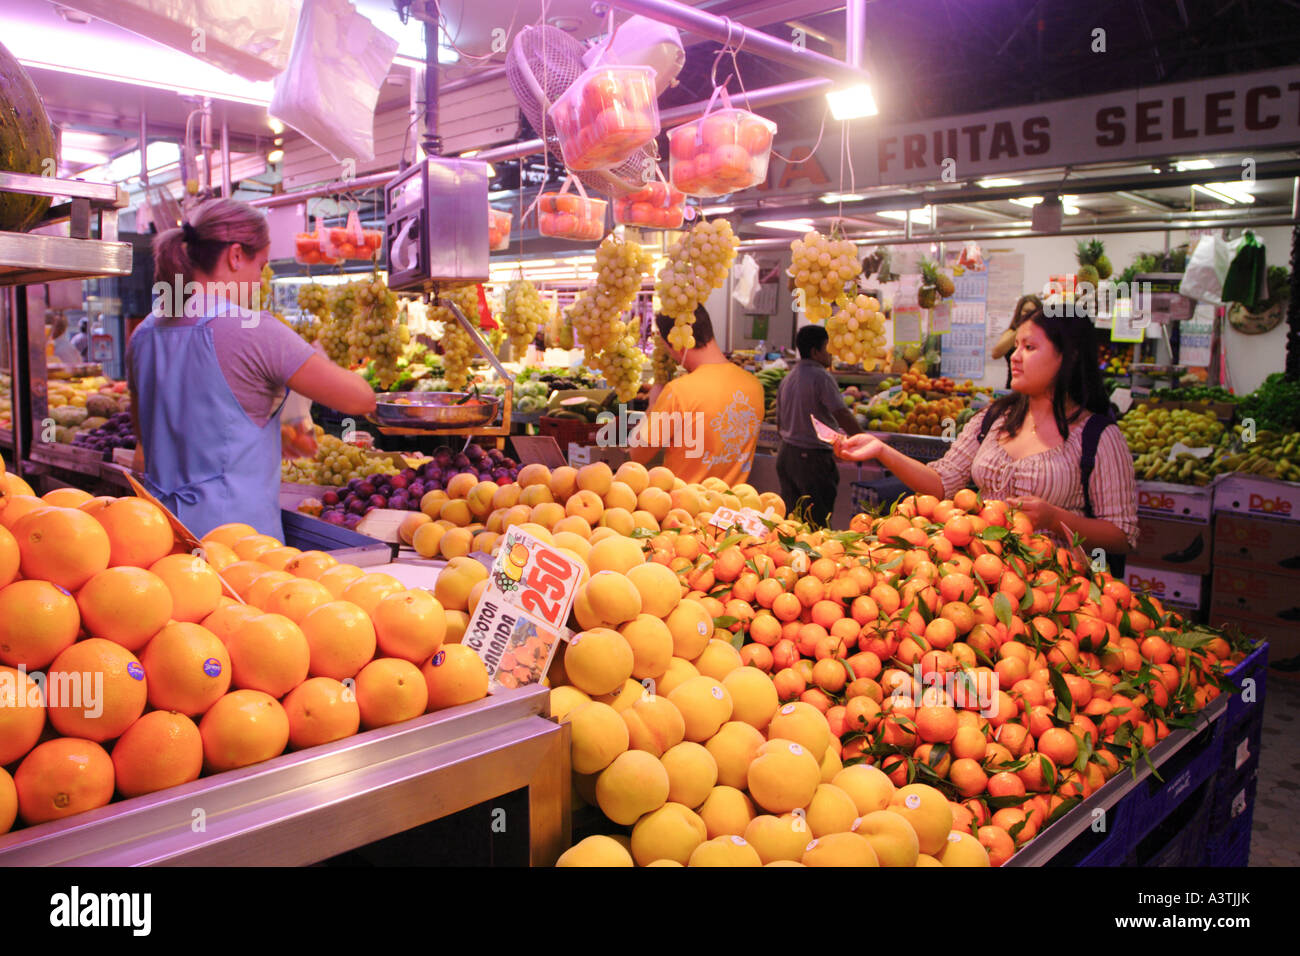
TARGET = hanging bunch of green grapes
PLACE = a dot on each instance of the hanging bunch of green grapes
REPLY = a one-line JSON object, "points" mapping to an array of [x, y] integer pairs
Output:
{"points": [[523, 315], [375, 334]]}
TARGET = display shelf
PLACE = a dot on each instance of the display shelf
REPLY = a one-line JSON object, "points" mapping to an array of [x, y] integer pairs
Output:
{"points": [[302, 808], [26, 259], [74, 458]]}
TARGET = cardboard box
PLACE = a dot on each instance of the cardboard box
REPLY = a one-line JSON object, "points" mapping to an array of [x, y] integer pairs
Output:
{"points": [[1253, 595], [1260, 544], [1184, 592], [1183, 546], [1161, 499], [1260, 497], [613, 455], [1282, 636]]}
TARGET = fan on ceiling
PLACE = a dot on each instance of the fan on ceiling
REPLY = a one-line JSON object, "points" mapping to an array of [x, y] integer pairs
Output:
{"points": [[544, 62]]}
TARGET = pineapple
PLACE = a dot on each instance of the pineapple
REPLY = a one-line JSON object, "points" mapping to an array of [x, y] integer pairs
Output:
{"points": [[1093, 263], [935, 285]]}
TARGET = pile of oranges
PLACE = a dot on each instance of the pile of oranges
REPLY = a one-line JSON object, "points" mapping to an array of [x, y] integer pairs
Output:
{"points": [[802, 683], [125, 669]]}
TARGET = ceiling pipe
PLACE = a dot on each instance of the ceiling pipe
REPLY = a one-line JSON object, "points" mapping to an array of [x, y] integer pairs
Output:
{"points": [[722, 30], [855, 32]]}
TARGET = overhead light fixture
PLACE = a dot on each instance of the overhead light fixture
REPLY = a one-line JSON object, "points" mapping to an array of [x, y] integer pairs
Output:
{"points": [[786, 225], [276, 126], [1185, 164], [852, 102], [830, 198], [1068, 203], [274, 156], [923, 215], [717, 210], [159, 156], [1231, 193], [996, 183]]}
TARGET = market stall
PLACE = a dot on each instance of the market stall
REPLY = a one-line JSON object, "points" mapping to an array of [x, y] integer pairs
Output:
{"points": [[479, 590]]}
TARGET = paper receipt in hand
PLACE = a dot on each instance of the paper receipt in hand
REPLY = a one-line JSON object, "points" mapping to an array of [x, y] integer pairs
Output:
{"points": [[825, 432]]}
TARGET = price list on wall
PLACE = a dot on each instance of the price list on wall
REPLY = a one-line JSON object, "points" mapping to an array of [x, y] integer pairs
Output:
{"points": [[965, 343]]}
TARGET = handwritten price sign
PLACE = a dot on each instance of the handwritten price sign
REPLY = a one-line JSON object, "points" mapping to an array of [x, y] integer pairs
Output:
{"points": [[747, 519], [520, 617]]}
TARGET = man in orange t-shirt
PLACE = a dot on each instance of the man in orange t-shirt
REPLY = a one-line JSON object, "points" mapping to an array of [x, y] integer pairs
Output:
{"points": [[706, 421]]}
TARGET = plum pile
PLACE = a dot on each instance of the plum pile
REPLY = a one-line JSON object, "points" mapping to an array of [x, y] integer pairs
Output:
{"points": [[117, 432]]}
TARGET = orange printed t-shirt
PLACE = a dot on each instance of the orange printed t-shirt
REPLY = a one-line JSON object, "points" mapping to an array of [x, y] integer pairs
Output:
{"points": [[709, 419]]}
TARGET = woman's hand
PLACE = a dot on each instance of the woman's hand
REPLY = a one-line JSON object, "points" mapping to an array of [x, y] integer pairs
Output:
{"points": [[860, 447], [1043, 514]]}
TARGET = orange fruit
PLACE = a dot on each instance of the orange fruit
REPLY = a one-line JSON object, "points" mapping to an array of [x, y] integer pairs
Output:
{"points": [[37, 622], [259, 592], [64, 546], [138, 532], [126, 605], [66, 497], [340, 638], [454, 675], [410, 625], [311, 564], [390, 690], [253, 546], [296, 598], [229, 618], [10, 559], [18, 506], [188, 669], [162, 749], [368, 590], [8, 802], [62, 777], [269, 654], [96, 689], [22, 715], [195, 587], [321, 710], [242, 574], [218, 555], [277, 558], [339, 577], [242, 728], [228, 534], [936, 724]]}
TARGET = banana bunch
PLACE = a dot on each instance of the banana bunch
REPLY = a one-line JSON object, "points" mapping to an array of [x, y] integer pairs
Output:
{"points": [[770, 379], [1270, 455]]}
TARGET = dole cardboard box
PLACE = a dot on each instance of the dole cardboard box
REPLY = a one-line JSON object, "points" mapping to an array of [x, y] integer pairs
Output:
{"points": [[1183, 592], [1258, 497], [1160, 499], [1183, 546], [1269, 598], [1263, 544]]}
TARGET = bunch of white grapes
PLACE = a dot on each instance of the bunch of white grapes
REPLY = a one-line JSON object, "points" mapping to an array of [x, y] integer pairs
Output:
{"points": [[621, 364], [663, 364], [336, 463], [314, 301], [334, 328], [857, 333], [597, 312], [375, 334], [820, 268], [524, 314], [457, 346], [697, 264]]}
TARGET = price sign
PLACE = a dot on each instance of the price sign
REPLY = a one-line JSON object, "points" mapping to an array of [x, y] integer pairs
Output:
{"points": [[747, 519], [517, 623]]}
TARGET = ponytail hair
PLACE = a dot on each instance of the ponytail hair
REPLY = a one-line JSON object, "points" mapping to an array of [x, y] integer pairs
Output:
{"points": [[199, 242]]}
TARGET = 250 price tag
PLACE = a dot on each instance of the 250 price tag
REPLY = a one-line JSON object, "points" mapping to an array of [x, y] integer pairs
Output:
{"points": [[536, 578]]}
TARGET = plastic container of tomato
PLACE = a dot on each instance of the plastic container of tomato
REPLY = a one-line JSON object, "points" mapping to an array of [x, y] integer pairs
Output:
{"points": [[722, 152], [498, 229], [605, 116], [656, 206], [562, 216], [307, 250]]}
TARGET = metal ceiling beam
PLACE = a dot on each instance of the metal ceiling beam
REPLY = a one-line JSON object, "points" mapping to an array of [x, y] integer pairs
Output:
{"points": [[755, 42]]}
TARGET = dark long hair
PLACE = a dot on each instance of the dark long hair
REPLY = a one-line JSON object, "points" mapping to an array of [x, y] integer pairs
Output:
{"points": [[1079, 377]]}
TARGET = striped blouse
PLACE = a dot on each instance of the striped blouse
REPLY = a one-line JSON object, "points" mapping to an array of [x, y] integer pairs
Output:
{"points": [[1053, 475]]}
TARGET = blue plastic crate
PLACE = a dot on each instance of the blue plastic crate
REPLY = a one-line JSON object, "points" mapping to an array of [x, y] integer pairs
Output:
{"points": [[1255, 668], [1180, 777], [1232, 846], [1180, 839], [1241, 746], [1090, 848], [1233, 800]]}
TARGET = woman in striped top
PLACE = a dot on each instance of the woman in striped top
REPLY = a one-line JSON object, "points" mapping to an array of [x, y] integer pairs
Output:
{"points": [[1033, 449]]}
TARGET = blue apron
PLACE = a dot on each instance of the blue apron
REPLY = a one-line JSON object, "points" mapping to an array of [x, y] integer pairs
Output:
{"points": [[204, 458]]}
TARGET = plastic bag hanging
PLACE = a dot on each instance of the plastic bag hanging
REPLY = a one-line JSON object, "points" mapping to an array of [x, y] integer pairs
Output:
{"points": [[330, 88], [1247, 278], [1206, 269], [723, 151]]}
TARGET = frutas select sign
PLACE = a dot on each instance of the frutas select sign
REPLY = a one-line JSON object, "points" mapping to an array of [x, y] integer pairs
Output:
{"points": [[1223, 114]]}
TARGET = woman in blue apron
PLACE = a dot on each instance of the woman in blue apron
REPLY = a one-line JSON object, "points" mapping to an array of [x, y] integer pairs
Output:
{"points": [[209, 371]]}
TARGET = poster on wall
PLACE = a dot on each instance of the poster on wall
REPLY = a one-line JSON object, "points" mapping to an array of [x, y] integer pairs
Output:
{"points": [[1006, 284], [964, 347]]}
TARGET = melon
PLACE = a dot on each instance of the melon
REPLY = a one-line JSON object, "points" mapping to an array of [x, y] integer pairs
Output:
{"points": [[26, 141]]}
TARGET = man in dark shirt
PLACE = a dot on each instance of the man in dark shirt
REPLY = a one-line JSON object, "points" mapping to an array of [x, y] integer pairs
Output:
{"points": [[806, 466]]}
